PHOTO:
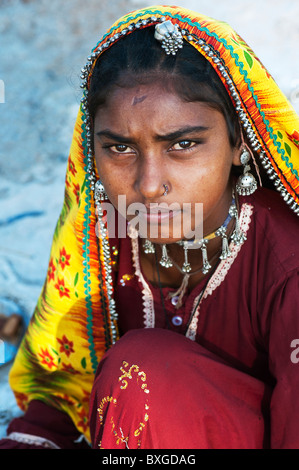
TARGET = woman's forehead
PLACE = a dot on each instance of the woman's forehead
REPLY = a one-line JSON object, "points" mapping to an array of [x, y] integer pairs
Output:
{"points": [[155, 109]]}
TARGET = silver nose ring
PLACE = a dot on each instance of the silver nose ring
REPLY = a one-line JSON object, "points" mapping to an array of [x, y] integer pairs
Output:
{"points": [[165, 189]]}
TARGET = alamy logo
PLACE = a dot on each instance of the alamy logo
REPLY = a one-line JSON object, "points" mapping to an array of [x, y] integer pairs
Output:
{"points": [[158, 220], [295, 353]]}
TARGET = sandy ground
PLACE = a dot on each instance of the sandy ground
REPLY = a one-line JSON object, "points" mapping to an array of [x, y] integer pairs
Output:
{"points": [[43, 46]]}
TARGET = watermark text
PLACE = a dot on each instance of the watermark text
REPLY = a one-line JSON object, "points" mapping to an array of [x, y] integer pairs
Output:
{"points": [[158, 220], [295, 353]]}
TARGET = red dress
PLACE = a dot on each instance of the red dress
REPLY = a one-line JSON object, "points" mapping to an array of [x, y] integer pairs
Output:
{"points": [[233, 382]]}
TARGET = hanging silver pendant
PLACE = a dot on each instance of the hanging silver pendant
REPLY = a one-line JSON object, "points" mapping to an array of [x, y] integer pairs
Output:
{"points": [[148, 247], [226, 253], [165, 260], [205, 262], [186, 268], [238, 237]]}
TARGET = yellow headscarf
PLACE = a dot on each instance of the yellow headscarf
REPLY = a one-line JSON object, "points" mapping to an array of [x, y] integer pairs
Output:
{"points": [[74, 321]]}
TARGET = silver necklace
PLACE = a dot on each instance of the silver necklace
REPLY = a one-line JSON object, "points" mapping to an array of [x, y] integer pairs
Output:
{"points": [[238, 237]]}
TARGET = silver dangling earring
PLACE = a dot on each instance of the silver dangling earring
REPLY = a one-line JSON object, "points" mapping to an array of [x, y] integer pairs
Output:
{"points": [[99, 192], [246, 183]]}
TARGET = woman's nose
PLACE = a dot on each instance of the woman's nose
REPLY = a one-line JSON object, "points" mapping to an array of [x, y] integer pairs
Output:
{"points": [[150, 181]]}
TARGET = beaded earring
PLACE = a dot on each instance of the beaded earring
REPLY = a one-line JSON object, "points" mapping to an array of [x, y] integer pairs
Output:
{"points": [[246, 183]]}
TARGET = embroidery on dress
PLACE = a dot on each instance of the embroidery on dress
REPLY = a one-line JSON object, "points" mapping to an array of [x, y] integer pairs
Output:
{"points": [[128, 373]]}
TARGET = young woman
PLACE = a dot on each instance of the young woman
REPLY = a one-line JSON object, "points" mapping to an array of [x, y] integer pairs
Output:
{"points": [[169, 317]]}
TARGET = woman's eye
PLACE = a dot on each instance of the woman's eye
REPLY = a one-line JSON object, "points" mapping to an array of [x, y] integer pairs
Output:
{"points": [[183, 144], [120, 148]]}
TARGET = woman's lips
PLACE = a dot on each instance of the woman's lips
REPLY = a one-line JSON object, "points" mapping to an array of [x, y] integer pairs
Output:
{"points": [[155, 215]]}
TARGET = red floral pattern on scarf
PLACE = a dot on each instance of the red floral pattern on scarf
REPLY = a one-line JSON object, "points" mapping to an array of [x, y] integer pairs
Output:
{"points": [[76, 191], [63, 291], [51, 270], [72, 167], [66, 346], [47, 359], [64, 258]]}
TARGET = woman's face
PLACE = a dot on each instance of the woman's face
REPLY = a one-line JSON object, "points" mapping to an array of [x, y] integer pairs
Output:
{"points": [[147, 138]]}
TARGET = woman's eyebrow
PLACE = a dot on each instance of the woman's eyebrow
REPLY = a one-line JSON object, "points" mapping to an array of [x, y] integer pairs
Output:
{"points": [[159, 137], [113, 136], [181, 132]]}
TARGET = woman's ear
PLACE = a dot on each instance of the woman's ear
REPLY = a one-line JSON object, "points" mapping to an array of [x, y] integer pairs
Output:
{"points": [[236, 155]]}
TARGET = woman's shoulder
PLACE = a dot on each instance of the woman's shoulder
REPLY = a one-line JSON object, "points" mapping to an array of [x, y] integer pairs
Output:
{"points": [[276, 227]]}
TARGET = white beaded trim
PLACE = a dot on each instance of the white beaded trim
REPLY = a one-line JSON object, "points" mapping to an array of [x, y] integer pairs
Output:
{"points": [[147, 297], [29, 439]]}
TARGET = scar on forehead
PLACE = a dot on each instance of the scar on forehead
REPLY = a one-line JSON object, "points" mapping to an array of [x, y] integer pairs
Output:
{"points": [[137, 99]]}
